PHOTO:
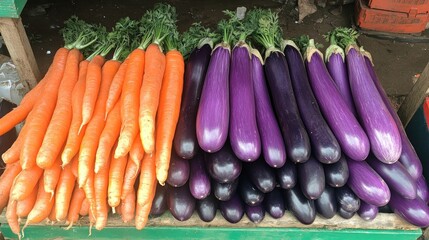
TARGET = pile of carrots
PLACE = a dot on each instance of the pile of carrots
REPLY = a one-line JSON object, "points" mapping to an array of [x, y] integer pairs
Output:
{"points": [[98, 132]]}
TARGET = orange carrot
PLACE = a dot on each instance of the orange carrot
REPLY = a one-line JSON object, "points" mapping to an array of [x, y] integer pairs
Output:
{"points": [[101, 181], [116, 87], [25, 182], [88, 188], [64, 192], [168, 114], [92, 88], [128, 207], [137, 151], [6, 182], [42, 112], [42, 207], [75, 206], [74, 166], [130, 99], [12, 154], [143, 211], [51, 217], [149, 95], [131, 172], [12, 217], [147, 182], [25, 206], [51, 176], [84, 209], [75, 138], [116, 178], [58, 129]]}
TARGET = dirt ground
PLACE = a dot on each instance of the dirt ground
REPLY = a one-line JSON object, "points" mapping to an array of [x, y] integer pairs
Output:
{"points": [[396, 62]]}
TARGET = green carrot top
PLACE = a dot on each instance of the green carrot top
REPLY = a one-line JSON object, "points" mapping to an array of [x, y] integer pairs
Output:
{"points": [[78, 34], [196, 37]]}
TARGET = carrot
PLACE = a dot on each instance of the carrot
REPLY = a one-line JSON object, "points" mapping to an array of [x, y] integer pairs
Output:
{"points": [[101, 181], [25, 182], [74, 138], [74, 166], [149, 95], [128, 207], [143, 211], [137, 151], [116, 178], [146, 189], [51, 176], [51, 217], [42, 207], [12, 154], [56, 134], [75, 206], [25, 206], [108, 137], [64, 193], [84, 209], [88, 188], [6, 182], [168, 114], [12, 217], [131, 172], [130, 99], [42, 112], [116, 87], [92, 88]]}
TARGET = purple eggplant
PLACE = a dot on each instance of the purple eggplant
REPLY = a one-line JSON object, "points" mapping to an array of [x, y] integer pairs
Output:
{"points": [[367, 184], [422, 189], [248, 192], [223, 166], [178, 173], [207, 208], [273, 147], [286, 175], [279, 82], [255, 213], [233, 209], [337, 174], [408, 157], [396, 177], [324, 145], [181, 203], [378, 123], [261, 175], [224, 191], [344, 214], [185, 139], [199, 181], [367, 211], [274, 203], [311, 178], [159, 203], [414, 211], [212, 126], [326, 204], [352, 138], [347, 199], [301, 207]]}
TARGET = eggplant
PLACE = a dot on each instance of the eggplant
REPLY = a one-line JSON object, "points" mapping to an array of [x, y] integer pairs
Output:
{"points": [[408, 157], [178, 173], [223, 166], [367, 184], [347, 199], [274, 203], [261, 175], [344, 214], [181, 203], [224, 191], [337, 174], [422, 189], [207, 208], [378, 123], [255, 213], [159, 203], [326, 204], [301, 207], [324, 145], [286, 175], [367, 211], [396, 176], [185, 139], [273, 147], [294, 133], [233, 209], [212, 126], [199, 181], [311, 178], [350, 135], [248, 192], [414, 211]]}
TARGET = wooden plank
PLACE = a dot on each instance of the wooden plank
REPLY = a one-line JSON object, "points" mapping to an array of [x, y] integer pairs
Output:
{"points": [[17, 43], [415, 98], [11, 8]]}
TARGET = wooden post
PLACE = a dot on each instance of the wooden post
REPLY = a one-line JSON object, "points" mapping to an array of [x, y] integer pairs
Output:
{"points": [[19, 48]]}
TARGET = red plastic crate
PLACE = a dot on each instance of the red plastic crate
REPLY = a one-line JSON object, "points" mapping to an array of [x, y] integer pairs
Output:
{"points": [[388, 21], [412, 7]]}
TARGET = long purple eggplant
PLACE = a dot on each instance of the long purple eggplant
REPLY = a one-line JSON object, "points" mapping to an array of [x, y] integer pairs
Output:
{"points": [[223, 165], [159, 203], [199, 181], [243, 130], [294, 134], [414, 211], [422, 189], [378, 123], [367, 211], [337, 174], [233, 209], [367, 184], [273, 147], [324, 145], [286, 175], [326, 204], [303, 209], [178, 173], [207, 208], [261, 175], [185, 139], [274, 203], [213, 112], [311, 178], [408, 157], [255, 213], [181, 203], [352, 138]]}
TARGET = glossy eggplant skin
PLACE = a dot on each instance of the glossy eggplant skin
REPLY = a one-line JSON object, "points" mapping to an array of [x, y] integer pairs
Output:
{"points": [[207, 208], [344, 214], [294, 133], [223, 166], [199, 180], [347, 199], [185, 139], [287, 175], [414, 211], [274, 203], [326, 204], [367, 211], [181, 203], [301, 207], [233, 209], [159, 203], [337, 174], [311, 178], [178, 173], [224, 191], [255, 213], [261, 175], [249, 193], [422, 189]]}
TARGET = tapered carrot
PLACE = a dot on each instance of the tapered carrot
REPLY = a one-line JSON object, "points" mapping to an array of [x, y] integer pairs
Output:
{"points": [[42, 112], [84, 209], [74, 166], [75, 206], [116, 87], [147, 182], [128, 207], [51, 217], [51, 176], [137, 151], [12, 154], [101, 181], [74, 138], [131, 172], [64, 193], [12, 217], [108, 137], [25, 182], [143, 211], [6, 182], [25, 206], [58, 129], [88, 188], [149, 95], [42, 207], [116, 179], [168, 114]]}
